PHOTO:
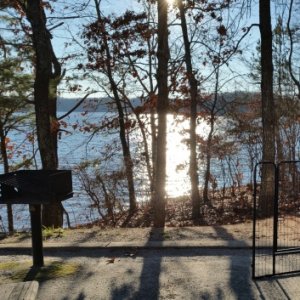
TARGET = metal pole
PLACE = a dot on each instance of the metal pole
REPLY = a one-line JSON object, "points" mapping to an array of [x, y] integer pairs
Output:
{"points": [[275, 223], [36, 232], [254, 220]]}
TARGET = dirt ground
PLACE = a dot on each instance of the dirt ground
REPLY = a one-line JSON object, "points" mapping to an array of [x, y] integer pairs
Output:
{"points": [[97, 234], [288, 231]]}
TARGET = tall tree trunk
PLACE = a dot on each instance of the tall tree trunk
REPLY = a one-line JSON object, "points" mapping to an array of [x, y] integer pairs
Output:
{"points": [[47, 70], [162, 109], [125, 146], [153, 109], [280, 57], [291, 38], [144, 138], [153, 149], [10, 218], [268, 108], [193, 167], [209, 143], [208, 161], [152, 120]]}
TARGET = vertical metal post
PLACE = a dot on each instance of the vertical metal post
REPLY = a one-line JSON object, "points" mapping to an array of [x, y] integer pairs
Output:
{"points": [[275, 223], [36, 232], [254, 219]]}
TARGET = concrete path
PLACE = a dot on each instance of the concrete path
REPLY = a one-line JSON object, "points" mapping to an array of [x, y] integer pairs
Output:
{"points": [[167, 274], [19, 291], [215, 264], [183, 272]]}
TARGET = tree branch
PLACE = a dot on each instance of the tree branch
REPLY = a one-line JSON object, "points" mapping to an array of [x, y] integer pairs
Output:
{"points": [[77, 105], [296, 82]]}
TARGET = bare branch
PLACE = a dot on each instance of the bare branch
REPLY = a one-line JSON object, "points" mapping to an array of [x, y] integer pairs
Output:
{"points": [[296, 82], [77, 105]]}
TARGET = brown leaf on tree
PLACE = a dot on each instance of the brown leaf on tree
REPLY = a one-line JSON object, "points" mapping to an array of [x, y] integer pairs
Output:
{"points": [[222, 30]]}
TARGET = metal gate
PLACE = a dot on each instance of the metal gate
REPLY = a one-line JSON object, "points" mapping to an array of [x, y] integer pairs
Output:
{"points": [[276, 219]]}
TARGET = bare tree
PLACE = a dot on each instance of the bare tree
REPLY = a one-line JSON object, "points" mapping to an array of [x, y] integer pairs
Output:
{"points": [[268, 106], [193, 83], [47, 77], [159, 200], [99, 30], [290, 34]]}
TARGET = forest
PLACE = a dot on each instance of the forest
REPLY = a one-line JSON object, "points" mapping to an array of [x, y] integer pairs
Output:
{"points": [[232, 65]]}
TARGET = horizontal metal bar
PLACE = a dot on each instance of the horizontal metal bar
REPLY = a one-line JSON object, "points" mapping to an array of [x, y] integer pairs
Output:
{"points": [[263, 276], [277, 274], [287, 251]]}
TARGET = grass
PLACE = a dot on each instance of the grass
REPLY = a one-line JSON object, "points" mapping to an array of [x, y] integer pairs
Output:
{"points": [[166, 235], [47, 233], [19, 271], [50, 232]]}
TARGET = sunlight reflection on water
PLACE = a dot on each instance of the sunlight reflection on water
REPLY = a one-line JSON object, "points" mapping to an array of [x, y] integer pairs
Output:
{"points": [[78, 147], [177, 151], [178, 155]]}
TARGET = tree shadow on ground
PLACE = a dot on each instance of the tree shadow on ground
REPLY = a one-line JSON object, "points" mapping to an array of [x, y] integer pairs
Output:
{"points": [[150, 285], [240, 270], [149, 279], [31, 274], [146, 274]]}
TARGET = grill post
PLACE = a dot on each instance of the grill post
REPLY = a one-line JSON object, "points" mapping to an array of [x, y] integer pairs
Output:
{"points": [[36, 235]]}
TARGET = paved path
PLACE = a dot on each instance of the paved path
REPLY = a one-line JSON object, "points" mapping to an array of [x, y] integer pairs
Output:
{"points": [[158, 273], [216, 265], [19, 291]]}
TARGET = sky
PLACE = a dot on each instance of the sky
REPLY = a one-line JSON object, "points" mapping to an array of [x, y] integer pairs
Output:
{"points": [[69, 32], [62, 35]]}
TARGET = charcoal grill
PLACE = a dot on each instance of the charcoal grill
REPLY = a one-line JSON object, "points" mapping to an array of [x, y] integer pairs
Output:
{"points": [[36, 187]]}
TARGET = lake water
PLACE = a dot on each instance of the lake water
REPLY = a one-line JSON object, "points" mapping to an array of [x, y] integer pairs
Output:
{"points": [[76, 146]]}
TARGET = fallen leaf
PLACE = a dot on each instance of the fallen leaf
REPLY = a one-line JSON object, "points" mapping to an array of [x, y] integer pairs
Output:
{"points": [[132, 253], [110, 261]]}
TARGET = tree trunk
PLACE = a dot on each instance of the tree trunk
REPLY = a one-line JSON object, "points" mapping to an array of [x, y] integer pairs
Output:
{"points": [[162, 108], [153, 111], [209, 145], [125, 146], [280, 57], [153, 150], [145, 142], [10, 218], [268, 108], [193, 168], [208, 163], [47, 70]]}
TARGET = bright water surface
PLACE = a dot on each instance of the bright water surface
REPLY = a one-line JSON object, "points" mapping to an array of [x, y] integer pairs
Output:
{"points": [[77, 147]]}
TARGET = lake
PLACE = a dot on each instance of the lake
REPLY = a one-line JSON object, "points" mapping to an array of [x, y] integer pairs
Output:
{"points": [[76, 146]]}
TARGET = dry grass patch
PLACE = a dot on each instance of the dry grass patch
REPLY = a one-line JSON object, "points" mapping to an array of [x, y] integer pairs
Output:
{"points": [[18, 271]]}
